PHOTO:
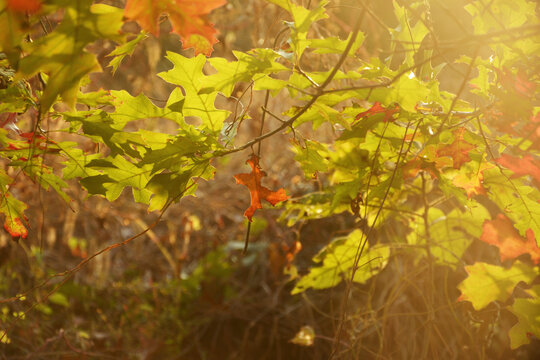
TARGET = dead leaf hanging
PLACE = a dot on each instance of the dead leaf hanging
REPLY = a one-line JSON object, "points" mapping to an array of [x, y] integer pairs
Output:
{"points": [[256, 190]]}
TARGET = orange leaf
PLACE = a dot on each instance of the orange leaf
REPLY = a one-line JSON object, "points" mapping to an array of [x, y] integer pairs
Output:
{"points": [[377, 108], [501, 233], [532, 129], [518, 82], [188, 19], [256, 190], [30, 6], [457, 150], [472, 183], [414, 166], [15, 227], [521, 166]]}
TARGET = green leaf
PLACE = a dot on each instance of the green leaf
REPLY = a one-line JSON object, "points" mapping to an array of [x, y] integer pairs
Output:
{"points": [[302, 21], [43, 175], [100, 127], [176, 152], [503, 14], [451, 234], [407, 92], [116, 173], [16, 98], [310, 158], [187, 72], [486, 283], [408, 35], [95, 98], [334, 45], [61, 53], [527, 311], [77, 160], [129, 108], [169, 186], [121, 51], [59, 299], [253, 65], [519, 202], [337, 260]]}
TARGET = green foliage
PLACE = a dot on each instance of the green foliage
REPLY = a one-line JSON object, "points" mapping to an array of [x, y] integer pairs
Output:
{"points": [[526, 310], [486, 283], [338, 261]]}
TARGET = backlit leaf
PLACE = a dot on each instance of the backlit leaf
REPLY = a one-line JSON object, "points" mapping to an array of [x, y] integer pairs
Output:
{"points": [[377, 108], [123, 50], [458, 150], [187, 72], [527, 311], [486, 283], [527, 165], [304, 337], [188, 19], [302, 20], [501, 233], [472, 182], [258, 192], [61, 54], [13, 209], [337, 261]]}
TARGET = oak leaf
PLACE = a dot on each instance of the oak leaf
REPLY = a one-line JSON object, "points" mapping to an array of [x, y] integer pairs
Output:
{"points": [[458, 150], [256, 190], [521, 166], [13, 211], [472, 183], [501, 233], [188, 19], [517, 82], [15, 227], [377, 108], [414, 166]]}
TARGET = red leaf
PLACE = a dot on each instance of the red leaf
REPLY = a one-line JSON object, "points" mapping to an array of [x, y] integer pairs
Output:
{"points": [[518, 82], [414, 166], [457, 150], [15, 227], [521, 166], [188, 19], [15, 220], [532, 129], [30, 6], [377, 108], [256, 190], [501, 233]]}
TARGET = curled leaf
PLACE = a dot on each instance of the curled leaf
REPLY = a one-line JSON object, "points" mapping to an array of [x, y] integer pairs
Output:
{"points": [[304, 337], [15, 220]]}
